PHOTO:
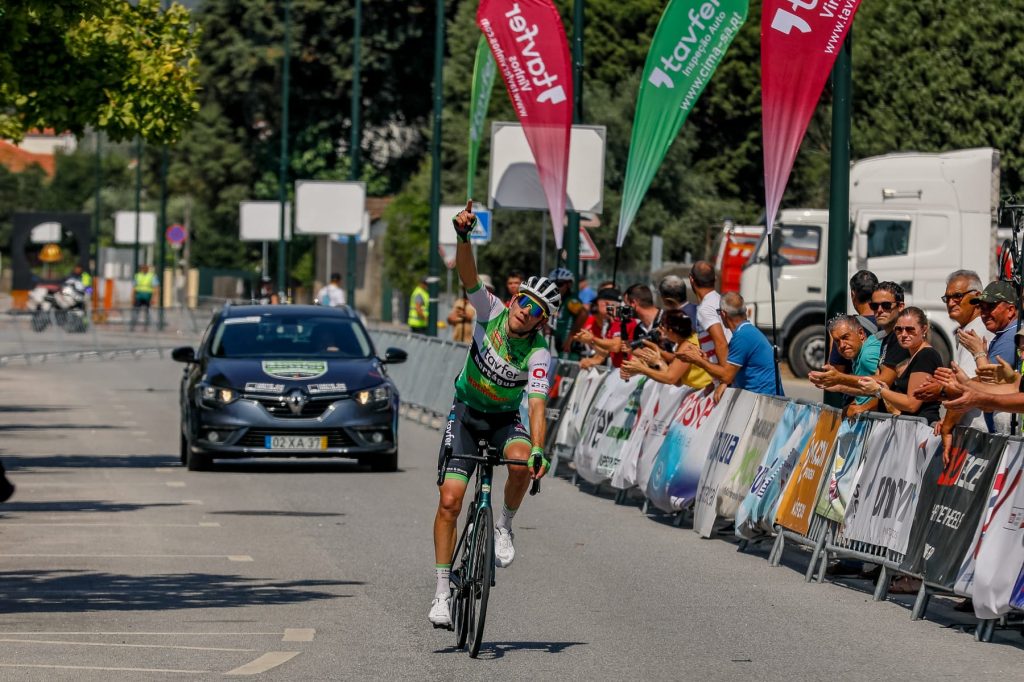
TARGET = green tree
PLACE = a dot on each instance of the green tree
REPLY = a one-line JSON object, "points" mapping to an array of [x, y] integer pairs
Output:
{"points": [[128, 68]]}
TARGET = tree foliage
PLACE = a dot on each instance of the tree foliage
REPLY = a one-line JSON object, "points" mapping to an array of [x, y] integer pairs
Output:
{"points": [[127, 68]]}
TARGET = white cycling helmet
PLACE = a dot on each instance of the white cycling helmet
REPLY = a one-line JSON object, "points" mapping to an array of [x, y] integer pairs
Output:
{"points": [[545, 291]]}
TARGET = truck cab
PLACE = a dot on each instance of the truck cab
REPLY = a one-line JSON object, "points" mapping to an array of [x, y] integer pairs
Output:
{"points": [[915, 218]]}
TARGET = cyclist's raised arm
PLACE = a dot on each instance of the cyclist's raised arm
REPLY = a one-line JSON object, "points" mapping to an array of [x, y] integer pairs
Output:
{"points": [[464, 222]]}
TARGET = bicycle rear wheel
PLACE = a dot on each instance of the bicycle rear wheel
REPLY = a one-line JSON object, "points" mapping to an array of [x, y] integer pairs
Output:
{"points": [[481, 574]]}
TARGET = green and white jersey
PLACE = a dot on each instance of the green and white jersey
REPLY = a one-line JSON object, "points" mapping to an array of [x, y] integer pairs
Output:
{"points": [[500, 368]]}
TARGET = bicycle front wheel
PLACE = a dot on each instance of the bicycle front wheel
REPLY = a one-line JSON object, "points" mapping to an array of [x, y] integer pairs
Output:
{"points": [[481, 574]]}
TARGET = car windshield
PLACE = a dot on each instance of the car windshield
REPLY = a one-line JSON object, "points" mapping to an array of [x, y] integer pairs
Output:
{"points": [[293, 336]]}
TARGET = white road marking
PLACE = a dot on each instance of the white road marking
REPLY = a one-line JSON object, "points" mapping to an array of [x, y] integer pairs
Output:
{"points": [[79, 524], [165, 470], [266, 662], [192, 502], [298, 635], [138, 433], [93, 667], [175, 484], [240, 557], [121, 633], [120, 644]]}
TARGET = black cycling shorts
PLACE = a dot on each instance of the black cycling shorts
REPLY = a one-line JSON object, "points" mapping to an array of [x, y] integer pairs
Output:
{"points": [[466, 426]]}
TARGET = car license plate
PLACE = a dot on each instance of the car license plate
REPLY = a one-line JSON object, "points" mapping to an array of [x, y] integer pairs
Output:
{"points": [[295, 442]]}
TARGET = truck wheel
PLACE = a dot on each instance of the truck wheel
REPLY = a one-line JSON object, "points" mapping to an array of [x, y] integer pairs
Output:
{"points": [[807, 351]]}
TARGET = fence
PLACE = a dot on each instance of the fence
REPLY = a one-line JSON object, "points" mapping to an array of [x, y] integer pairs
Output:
{"points": [[28, 338], [876, 489]]}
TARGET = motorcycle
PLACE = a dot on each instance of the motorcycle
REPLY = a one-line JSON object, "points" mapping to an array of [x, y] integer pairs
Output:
{"points": [[65, 307]]}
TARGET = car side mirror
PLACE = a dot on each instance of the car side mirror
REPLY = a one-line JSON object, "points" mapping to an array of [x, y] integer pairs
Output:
{"points": [[394, 356], [184, 354]]}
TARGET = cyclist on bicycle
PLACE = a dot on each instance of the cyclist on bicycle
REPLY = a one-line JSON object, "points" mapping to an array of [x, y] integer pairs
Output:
{"points": [[508, 356]]}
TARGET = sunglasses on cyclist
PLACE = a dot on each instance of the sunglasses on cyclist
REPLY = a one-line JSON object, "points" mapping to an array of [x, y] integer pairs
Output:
{"points": [[905, 330], [532, 308], [956, 298], [884, 305]]}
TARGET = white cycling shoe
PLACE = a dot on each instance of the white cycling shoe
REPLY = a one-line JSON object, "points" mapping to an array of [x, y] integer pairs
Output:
{"points": [[440, 612], [504, 551]]}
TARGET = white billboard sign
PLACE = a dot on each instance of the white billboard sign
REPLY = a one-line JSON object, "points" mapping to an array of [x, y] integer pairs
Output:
{"points": [[515, 185], [124, 227], [46, 233], [260, 221], [327, 207]]}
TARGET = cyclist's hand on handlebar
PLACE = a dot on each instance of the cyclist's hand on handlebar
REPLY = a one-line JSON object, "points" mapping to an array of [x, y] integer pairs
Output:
{"points": [[464, 222], [538, 463]]}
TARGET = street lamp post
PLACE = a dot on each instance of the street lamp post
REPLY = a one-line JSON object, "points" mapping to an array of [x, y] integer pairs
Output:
{"points": [[435, 168], [572, 230], [355, 147], [283, 170]]}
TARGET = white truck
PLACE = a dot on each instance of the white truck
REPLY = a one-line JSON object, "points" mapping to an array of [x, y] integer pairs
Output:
{"points": [[915, 218]]}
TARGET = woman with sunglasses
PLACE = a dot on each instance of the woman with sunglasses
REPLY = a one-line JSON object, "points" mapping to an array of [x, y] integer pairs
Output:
{"points": [[911, 329], [508, 357], [647, 360]]}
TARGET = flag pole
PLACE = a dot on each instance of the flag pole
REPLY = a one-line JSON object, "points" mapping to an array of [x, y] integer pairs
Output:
{"points": [[775, 329], [615, 267]]}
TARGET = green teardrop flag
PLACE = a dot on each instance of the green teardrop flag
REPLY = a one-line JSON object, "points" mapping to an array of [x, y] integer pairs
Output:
{"points": [[484, 72], [691, 40]]}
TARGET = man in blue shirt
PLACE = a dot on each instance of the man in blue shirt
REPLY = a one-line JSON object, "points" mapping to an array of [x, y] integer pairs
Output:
{"points": [[751, 362], [998, 306]]}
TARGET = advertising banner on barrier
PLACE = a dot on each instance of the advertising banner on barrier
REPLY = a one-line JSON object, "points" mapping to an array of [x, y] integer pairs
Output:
{"points": [[673, 482], [529, 46], [730, 440], [741, 474], [624, 476], [588, 383], [993, 564], [801, 493], [1005, 484], [609, 422], [669, 400], [838, 487], [953, 500], [887, 488], [563, 379], [756, 515]]}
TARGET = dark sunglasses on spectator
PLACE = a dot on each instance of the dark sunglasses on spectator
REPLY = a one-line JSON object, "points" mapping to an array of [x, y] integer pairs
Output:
{"points": [[956, 298], [534, 309], [884, 305], [907, 330]]}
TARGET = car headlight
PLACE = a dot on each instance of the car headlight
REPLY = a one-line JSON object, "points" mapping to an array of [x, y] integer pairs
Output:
{"points": [[217, 395], [375, 397]]}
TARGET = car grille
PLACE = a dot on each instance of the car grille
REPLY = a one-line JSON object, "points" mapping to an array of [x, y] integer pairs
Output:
{"points": [[312, 409], [256, 438]]}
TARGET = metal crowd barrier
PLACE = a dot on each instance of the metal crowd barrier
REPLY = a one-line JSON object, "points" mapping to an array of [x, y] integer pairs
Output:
{"points": [[426, 380], [101, 334]]}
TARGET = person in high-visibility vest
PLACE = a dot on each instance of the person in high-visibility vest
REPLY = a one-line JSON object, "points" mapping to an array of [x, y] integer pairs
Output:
{"points": [[145, 283], [418, 304]]}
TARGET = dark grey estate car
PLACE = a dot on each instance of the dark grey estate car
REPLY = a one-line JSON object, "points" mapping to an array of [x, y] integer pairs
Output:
{"points": [[288, 381]]}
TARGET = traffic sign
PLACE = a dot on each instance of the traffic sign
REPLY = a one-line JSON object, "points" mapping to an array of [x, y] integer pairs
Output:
{"points": [[588, 250], [481, 233], [177, 234]]}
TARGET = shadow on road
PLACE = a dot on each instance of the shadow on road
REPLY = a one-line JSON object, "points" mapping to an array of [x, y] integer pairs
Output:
{"points": [[496, 650], [82, 506], [288, 466], [56, 427], [33, 408], [299, 514], [22, 462], [80, 591]]}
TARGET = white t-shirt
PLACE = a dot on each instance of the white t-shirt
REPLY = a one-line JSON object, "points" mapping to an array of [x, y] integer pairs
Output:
{"points": [[331, 295], [707, 317], [963, 356]]}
